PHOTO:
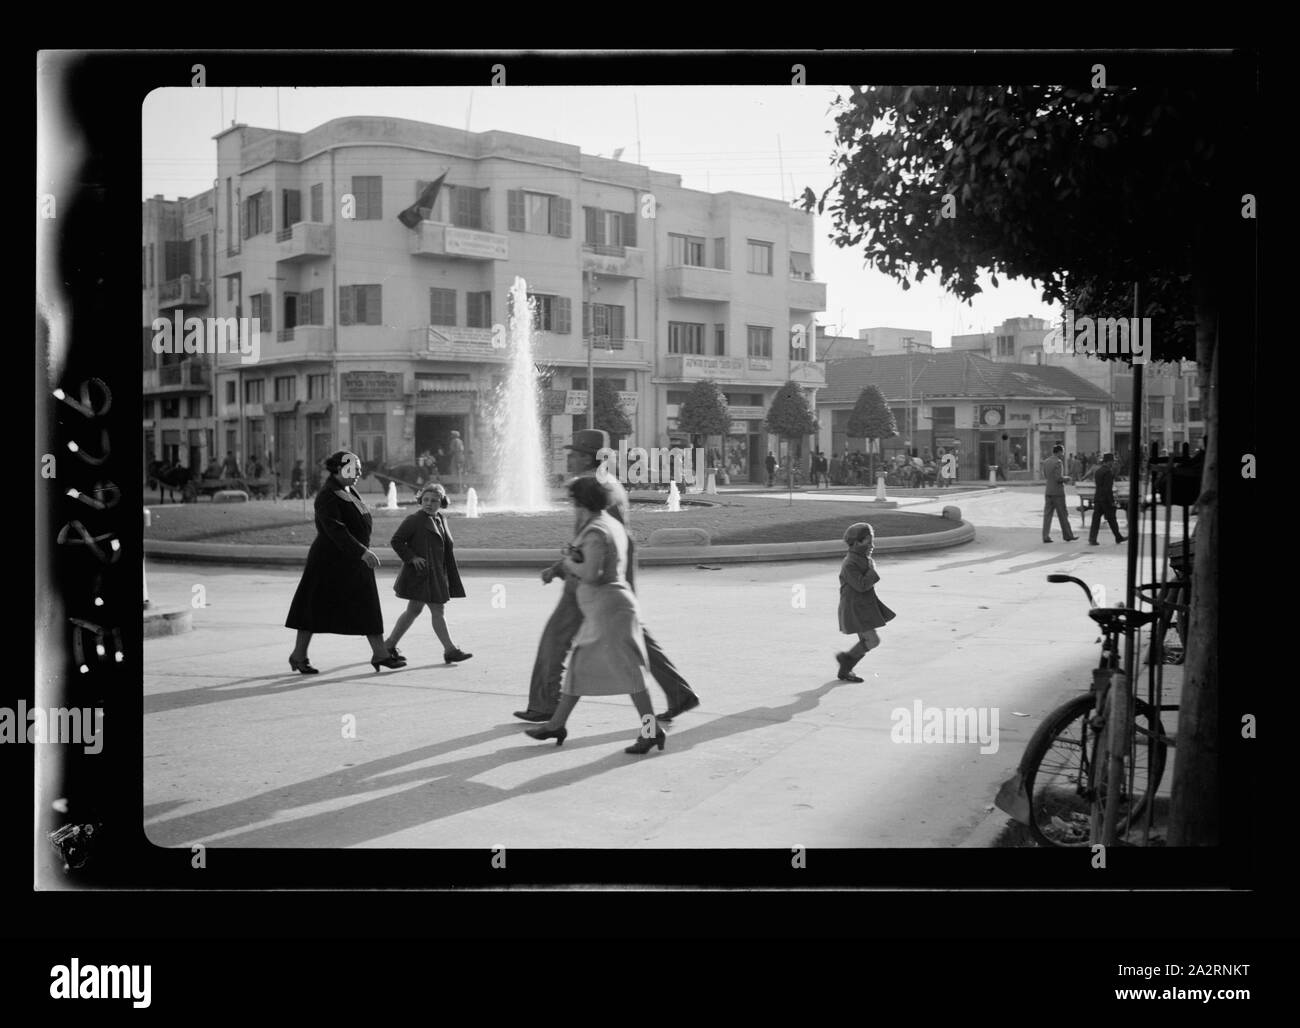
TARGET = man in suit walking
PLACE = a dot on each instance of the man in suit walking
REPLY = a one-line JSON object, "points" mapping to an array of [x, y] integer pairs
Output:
{"points": [[1103, 504], [548, 668], [1053, 471]]}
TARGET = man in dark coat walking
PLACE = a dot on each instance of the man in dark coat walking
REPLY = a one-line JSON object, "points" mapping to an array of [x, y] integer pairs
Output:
{"points": [[1103, 503], [1054, 496], [548, 669]]}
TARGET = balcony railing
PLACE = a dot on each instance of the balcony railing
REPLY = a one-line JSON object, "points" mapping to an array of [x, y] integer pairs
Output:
{"points": [[305, 240], [185, 291], [605, 342], [613, 261], [691, 282], [806, 295], [186, 375], [436, 239]]}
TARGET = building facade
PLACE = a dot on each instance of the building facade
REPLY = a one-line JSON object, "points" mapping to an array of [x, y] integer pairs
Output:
{"points": [[385, 339], [178, 270], [989, 414]]}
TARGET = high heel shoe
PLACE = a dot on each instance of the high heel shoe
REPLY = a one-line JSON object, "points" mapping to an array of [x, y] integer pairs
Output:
{"points": [[558, 734], [304, 666], [644, 745], [452, 656], [390, 661]]}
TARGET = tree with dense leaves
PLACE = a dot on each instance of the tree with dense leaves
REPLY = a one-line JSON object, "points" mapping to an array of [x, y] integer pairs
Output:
{"points": [[871, 419], [1089, 192], [790, 417], [609, 410], [703, 412]]}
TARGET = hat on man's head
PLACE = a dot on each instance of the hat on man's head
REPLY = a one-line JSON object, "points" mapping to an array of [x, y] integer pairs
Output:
{"points": [[1107, 456], [589, 440]]}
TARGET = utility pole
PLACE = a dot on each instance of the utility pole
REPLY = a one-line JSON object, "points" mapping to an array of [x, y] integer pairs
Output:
{"points": [[908, 343]]}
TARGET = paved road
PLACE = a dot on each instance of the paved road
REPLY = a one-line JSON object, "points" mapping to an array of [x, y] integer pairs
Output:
{"points": [[240, 752]]}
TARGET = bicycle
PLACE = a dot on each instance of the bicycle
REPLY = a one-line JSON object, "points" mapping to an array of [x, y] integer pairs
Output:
{"points": [[1095, 762]]}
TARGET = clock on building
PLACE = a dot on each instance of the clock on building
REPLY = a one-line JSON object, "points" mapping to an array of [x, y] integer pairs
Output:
{"points": [[991, 417]]}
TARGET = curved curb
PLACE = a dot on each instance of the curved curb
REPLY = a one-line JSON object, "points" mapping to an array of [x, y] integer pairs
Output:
{"points": [[648, 556]]}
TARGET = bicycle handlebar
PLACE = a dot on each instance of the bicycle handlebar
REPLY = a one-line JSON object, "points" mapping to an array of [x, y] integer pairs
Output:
{"points": [[1056, 579]]}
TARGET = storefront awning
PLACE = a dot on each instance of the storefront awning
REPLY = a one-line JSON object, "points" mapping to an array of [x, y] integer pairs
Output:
{"points": [[315, 406], [280, 407]]}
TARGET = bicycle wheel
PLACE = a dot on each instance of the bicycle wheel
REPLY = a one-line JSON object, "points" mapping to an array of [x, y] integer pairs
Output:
{"points": [[1057, 773], [1120, 804]]}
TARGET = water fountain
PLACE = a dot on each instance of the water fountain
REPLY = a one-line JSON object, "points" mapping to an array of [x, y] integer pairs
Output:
{"points": [[392, 496], [674, 498], [471, 502], [518, 463]]}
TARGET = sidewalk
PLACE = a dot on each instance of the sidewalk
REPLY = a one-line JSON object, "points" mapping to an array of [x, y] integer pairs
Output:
{"points": [[240, 752]]}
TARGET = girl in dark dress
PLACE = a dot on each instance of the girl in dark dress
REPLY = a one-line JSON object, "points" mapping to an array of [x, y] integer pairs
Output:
{"points": [[861, 611], [337, 593], [429, 574]]}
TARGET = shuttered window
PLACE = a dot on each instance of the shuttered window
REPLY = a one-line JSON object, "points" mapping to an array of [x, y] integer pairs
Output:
{"points": [[361, 305], [561, 217], [685, 337], [368, 191], [478, 310], [603, 323], [264, 223], [176, 259], [442, 307], [292, 206], [318, 202], [552, 313], [515, 210]]}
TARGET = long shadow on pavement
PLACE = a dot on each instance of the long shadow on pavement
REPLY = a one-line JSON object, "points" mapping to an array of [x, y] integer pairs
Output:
{"points": [[289, 681], [436, 792]]}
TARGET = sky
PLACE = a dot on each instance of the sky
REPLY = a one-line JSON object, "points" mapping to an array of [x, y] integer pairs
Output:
{"points": [[768, 141]]}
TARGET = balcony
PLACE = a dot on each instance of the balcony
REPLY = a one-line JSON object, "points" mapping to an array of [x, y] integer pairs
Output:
{"points": [[306, 240], [185, 377], [806, 295], [182, 292], [300, 341], [613, 261], [687, 282], [435, 239]]}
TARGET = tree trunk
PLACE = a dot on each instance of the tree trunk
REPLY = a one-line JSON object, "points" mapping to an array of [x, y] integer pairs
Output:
{"points": [[1194, 814]]}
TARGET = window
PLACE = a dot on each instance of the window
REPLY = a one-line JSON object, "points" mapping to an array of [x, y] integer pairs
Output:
{"points": [[203, 257], [760, 257], [687, 250], [609, 228], [368, 431], [192, 407], [318, 387], [291, 205], [551, 314], [253, 390], [230, 440], [260, 307], [230, 391], [478, 309], [311, 307], [318, 202], [469, 207], [286, 388], [256, 213], [1006, 346], [151, 264], [801, 266], [1180, 414], [1156, 409], [720, 253], [943, 419], [685, 337], [719, 340], [760, 341], [1193, 412], [539, 213], [361, 305], [368, 191], [603, 324], [442, 306], [171, 407], [256, 437]]}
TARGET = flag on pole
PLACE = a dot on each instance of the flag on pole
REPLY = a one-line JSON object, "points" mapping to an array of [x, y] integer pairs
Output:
{"points": [[418, 211]]}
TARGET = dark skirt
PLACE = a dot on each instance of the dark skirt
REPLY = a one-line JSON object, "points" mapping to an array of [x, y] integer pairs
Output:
{"points": [[337, 594]]}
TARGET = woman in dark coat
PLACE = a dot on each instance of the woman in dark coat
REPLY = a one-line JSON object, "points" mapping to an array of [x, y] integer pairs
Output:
{"points": [[429, 574], [337, 593]]}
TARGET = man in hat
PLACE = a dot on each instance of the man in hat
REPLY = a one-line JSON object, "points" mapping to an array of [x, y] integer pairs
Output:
{"points": [[1103, 502], [548, 668]]}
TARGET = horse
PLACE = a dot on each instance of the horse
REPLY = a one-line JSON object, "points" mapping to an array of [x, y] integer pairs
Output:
{"points": [[173, 477]]}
